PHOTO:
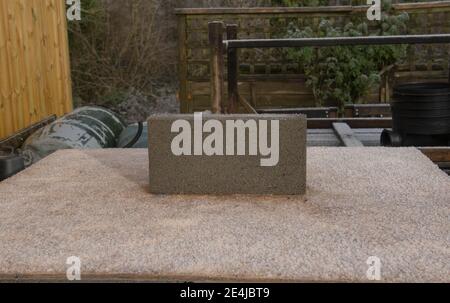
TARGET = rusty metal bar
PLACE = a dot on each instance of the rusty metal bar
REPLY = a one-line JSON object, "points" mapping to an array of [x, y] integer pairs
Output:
{"points": [[216, 30], [337, 41], [233, 71]]}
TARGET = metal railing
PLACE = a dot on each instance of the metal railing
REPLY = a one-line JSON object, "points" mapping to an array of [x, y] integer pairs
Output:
{"points": [[220, 47]]}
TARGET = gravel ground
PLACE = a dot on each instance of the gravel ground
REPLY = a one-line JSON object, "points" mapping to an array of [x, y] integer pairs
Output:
{"points": [[361, 202]]}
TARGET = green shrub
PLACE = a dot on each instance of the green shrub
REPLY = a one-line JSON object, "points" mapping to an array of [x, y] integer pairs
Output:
{"points": [[344, 74]]}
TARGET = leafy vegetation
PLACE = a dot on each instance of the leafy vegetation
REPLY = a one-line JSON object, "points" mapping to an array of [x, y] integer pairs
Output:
{"points": [[344, 74]]}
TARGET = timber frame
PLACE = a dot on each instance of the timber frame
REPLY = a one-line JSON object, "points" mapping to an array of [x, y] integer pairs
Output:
{"points": [[270, 81]]}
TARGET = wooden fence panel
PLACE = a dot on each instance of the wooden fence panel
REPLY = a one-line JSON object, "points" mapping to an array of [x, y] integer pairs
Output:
{"points": [[34, 63], [262, 69]]}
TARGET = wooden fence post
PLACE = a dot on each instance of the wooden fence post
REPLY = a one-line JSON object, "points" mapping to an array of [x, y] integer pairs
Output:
{"points": [[186, 103], [216, 30], [233, 70]]}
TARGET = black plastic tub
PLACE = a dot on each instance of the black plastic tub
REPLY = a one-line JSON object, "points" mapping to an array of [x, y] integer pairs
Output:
{"points": [[421, 109], [421, 115]]}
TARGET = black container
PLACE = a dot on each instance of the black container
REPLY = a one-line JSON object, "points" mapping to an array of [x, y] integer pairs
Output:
{"points": [[10, 164], [421, 115], [421, 109]]}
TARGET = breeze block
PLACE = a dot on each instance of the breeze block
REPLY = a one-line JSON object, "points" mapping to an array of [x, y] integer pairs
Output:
{"points": [[207, 154]]}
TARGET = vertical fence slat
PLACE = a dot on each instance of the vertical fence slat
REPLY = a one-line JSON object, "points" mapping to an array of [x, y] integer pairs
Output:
{"points": [[65, 62], [183, 67], [40, 60], [233, 70], [49, 65], [6, 124], [55, 51], [216, 30], [34, 63], [27, 61], [16, 39]]}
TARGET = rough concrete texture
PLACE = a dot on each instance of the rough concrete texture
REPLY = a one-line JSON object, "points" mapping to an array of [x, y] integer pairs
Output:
{"points": [[201, 174], [361, 202]]}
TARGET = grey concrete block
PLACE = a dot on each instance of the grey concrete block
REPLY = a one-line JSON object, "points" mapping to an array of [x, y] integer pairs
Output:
{"points": [[186, 160]]}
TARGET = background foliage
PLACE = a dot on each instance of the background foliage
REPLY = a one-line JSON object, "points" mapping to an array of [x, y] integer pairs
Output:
{"points": [[108, 59], [124, 53], [345, 74]]}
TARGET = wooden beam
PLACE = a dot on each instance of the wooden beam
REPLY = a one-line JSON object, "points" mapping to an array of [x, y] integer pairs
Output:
{"points": [[263, 10], [338, 9], [421, 5], [436, 154], [346, 135], [186, 104], [368, 110], [233, 70], [352, 122], [311, 112], [217, 65]]}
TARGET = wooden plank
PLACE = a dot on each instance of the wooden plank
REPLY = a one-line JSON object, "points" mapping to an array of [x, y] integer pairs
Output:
{"points": [[57, 87], [185, 101], [217, 66], [15, 25], [308, 10], [429, 76], [422, 5], [263, 10], [298, 79], [368, 110], [39, 69], [328, 137], [233, 71], [352, 122], [282, 88], [438, 5], [280, 78], [437, 154], [28, 62], [322, 137], [346, 135], [64, 57], [315, 112], [204, 88], [279, 88], [6, 117]]}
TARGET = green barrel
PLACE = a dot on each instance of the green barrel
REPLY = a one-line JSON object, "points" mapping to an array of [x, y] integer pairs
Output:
{"points": [[85, 128]]}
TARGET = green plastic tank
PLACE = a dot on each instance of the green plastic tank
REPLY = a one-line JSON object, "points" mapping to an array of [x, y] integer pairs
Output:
{"points": [[85, 128]]}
